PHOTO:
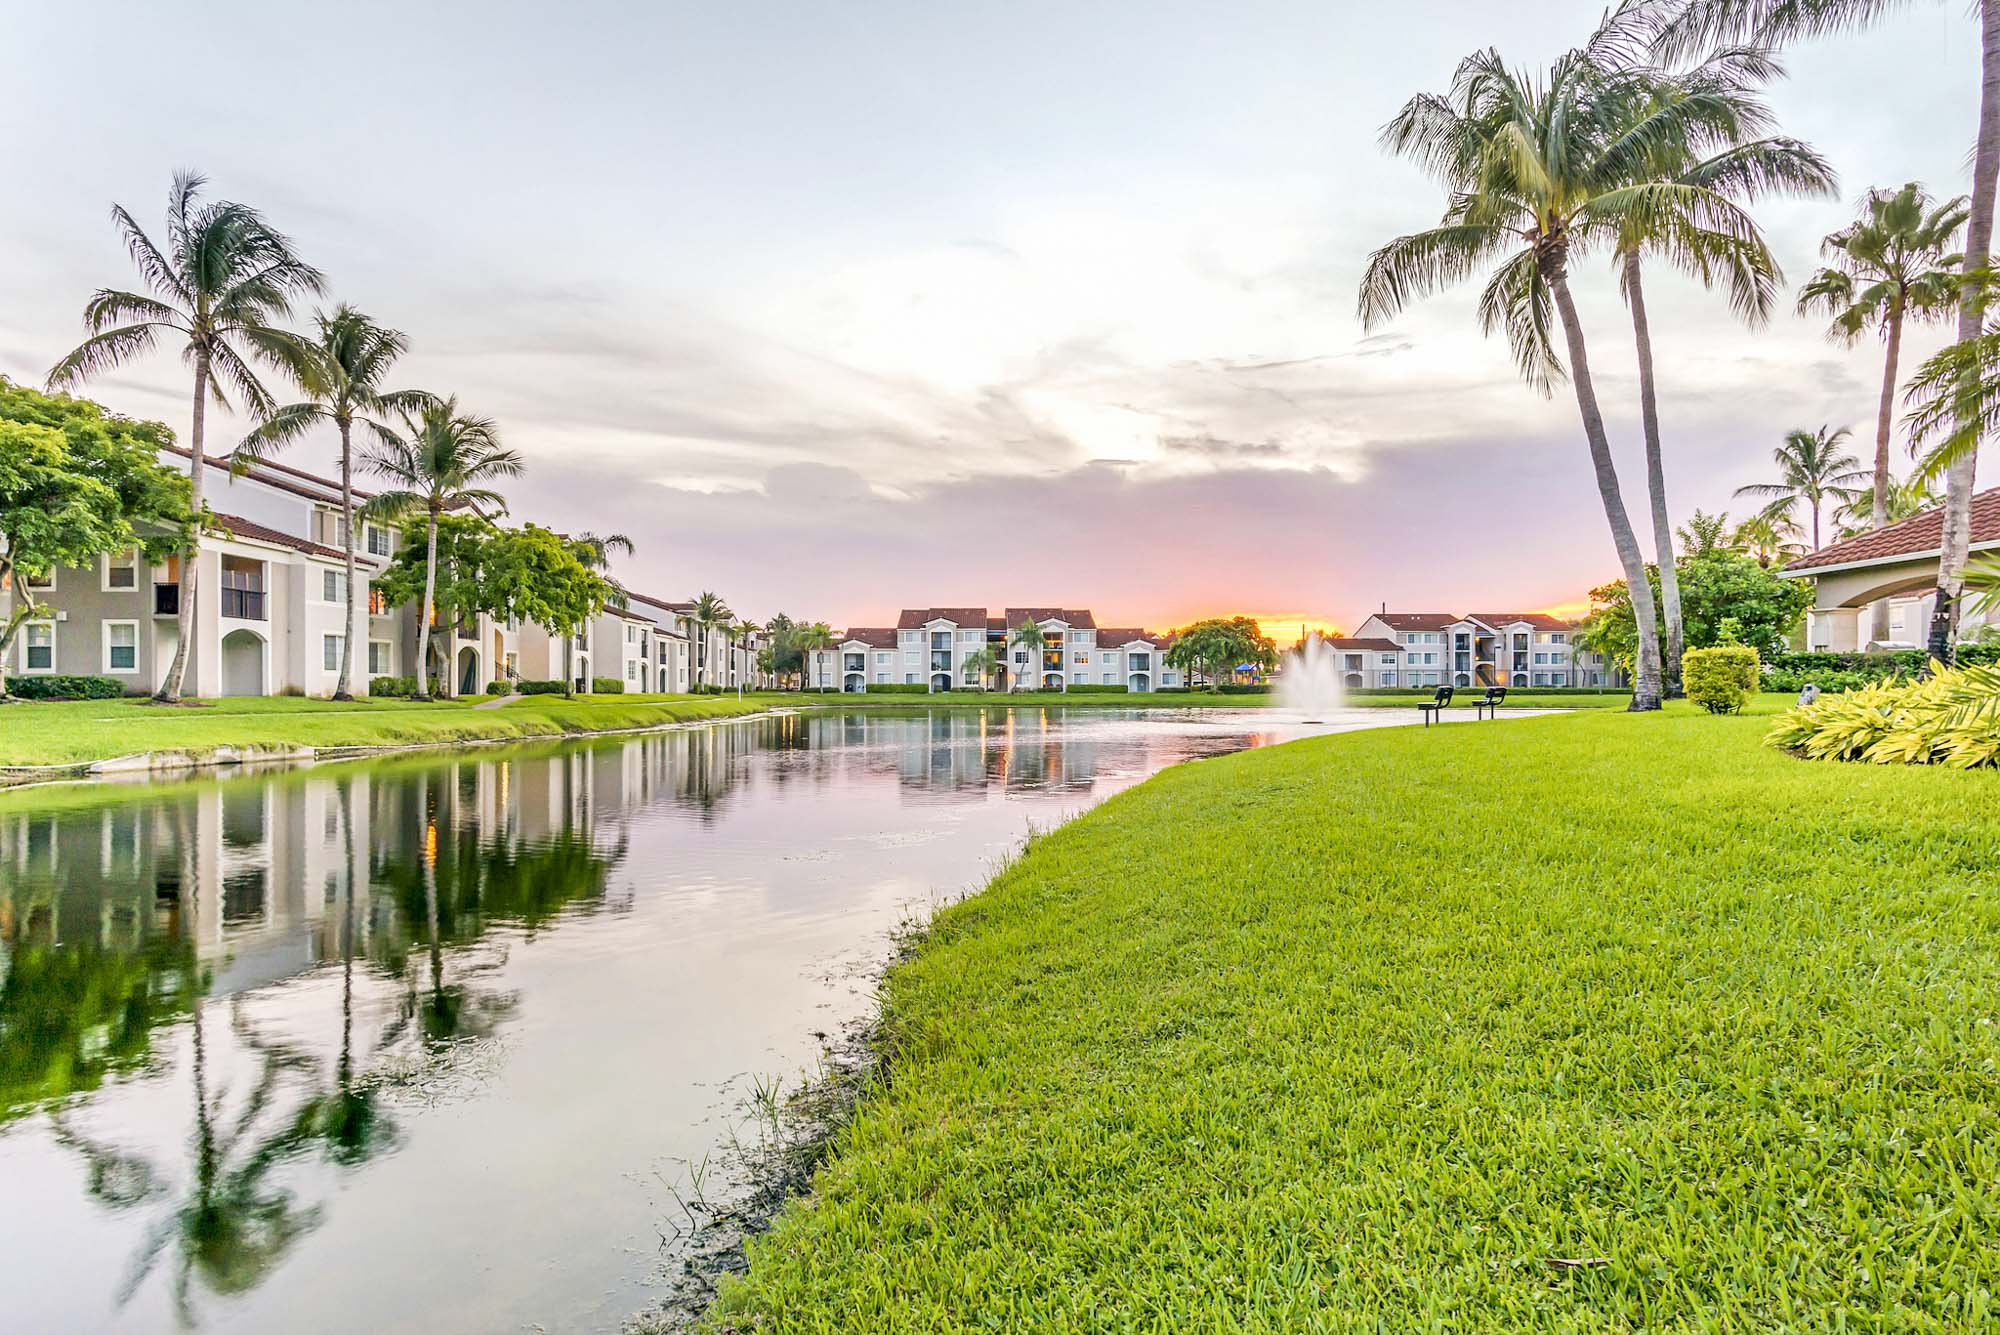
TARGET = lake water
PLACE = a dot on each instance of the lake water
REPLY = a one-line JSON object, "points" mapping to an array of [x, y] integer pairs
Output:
{"points": [[431, 1045]]}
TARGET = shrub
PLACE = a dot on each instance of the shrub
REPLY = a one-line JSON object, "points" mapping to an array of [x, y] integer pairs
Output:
{"points": [[1951, 719], [403, 686], [1170, 690], [1231, 688], [969, 690], [499, 688], [898, 688], [1721, 678], [1083, 689], [606, 686], [539, 687], [63, 687]]}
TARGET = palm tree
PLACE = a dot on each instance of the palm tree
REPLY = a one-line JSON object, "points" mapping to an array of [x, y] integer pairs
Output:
{"points": [[440, 460], [980, 664], [809, 640], [224, 277], [1538, 172], [1813, 469], [1894, 263], [341, 375], [1028, 635], [708, 612], [1706, 535], [1708, 153], [1773, 539], [743, 632], [1701, 23], [1863, 511], [595, 551]]}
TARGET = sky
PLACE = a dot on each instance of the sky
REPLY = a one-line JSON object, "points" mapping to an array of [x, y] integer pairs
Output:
{"points": [[841, 308]]}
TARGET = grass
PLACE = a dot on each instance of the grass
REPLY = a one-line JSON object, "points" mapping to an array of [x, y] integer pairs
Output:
{"points": [[74, 732], [1375, 1032]]}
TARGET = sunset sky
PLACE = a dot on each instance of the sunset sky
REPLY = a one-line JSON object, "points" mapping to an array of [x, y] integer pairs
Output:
{"points": [[836, 308]]}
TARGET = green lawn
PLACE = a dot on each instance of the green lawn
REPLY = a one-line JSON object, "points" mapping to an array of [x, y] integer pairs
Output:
{"points": [[1364, 1032], [67, 732]]}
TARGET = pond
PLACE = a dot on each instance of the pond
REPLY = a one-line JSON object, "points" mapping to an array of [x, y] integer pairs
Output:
{"points": [[435, 1044]]}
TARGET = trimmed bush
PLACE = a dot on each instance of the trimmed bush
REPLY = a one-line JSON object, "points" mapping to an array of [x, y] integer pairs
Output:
{"points": [[539, 687], [1721, 678], [706, 688], [606, 686], [1231, 688], [1951, 719], [1082, 689], [499, 688], [898, 688], [1170, 690], [64, 687]]}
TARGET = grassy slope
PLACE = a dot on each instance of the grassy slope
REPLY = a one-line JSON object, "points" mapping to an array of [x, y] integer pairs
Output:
{"points": [[83, 730], [1357, 1033]]}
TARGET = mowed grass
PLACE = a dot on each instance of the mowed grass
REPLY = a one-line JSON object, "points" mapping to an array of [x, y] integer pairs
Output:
{"points": [[1374, 1032], [73, 732]]}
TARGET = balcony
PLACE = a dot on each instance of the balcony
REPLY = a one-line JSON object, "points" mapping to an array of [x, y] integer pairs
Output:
{"points": [[941, 662], [243, 604], [166, 600]]}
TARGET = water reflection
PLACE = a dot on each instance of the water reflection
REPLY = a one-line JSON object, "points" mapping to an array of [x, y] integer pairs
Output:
{"points": [[223, 1004]]}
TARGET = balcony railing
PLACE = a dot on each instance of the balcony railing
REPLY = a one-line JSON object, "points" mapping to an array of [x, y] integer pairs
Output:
{"points": [[243, 604], [166, 600]]}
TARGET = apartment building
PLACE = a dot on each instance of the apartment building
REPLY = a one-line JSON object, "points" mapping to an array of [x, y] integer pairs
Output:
{"points": [[930, 646], [1469, 650]]}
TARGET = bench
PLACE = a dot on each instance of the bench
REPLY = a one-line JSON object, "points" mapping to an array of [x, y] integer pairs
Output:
{"points": [[1435, 704], [1490, 702]]}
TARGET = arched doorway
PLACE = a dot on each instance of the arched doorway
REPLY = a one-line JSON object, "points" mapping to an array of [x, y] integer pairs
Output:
{"points": [[1052, 681], [468, 671], [1138, 683], [1461, 680], [854, 683], [582, 682], [940, 681], [1354, 679], [243, 654]]}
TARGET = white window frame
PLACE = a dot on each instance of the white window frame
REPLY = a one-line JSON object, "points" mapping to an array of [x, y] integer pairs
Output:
{"points": [[105, 567], [27, 667], [328, 640], [105, 651], [339, 594], [368, 545], [388, 658], [46, 584]]}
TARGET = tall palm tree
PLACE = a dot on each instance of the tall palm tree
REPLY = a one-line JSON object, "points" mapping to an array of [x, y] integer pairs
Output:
{"points": [[1710, 153], [743, 630], [1864, 511], [1028, 635], [809, 640], [225, 276], [980, 664], [1696, 24], [1773, 539], [595, 551], [708, 613], [1540, 170], [341, 374], [1811, 468], [440, 459], [1893, 264]]}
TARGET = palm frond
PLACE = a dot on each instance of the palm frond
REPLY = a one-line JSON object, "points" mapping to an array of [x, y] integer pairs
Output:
{"points": [[1517, 301], [103, 352], [1413, 267]]}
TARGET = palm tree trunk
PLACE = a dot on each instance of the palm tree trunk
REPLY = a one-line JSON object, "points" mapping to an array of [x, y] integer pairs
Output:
{"points": [[424, 612], [341, 689], [1646, 677], [170, 685], [1815, 510], [1885, 420], [1957, 535], [1656, 480]]}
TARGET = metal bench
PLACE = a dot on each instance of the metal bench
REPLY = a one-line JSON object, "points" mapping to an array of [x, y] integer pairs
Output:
{"points": [[1435, 704], [1490, 702]]}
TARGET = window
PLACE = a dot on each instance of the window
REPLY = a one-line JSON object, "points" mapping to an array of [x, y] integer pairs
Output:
{"points": [[882, 660], [910, 637], [332, 586], [329, 651], [1081, 660], [909, 679], [1079, 637], [1558, 637], [45, 581], [378, 540], [121, 647], [1388, 679], [121, 572], [912, 656], [39, 648], [1388, 660], [378, 603], [378, 658], [631, 672], [971, 636]]}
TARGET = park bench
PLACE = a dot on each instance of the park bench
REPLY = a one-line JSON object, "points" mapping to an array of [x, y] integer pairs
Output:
{"points": [[1490, 702], [1432, 707]]}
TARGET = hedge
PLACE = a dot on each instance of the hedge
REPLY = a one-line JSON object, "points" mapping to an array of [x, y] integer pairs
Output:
{"points": [[898, 688], [539, 687], [1082, 688], [499, 688], [606, 686], [64, 687]]}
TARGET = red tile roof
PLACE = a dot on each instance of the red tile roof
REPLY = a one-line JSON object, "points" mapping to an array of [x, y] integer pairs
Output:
{"points": [[661, 603], [914, 618], [1539, 620], [1418, 620], [237, 527], [1076, 617], [1919, 535], [1120, 636], [1370, 642], [879, 637]]}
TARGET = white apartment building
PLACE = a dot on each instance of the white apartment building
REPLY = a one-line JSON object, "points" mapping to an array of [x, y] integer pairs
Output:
{"points": [[1392, 649], [929, 646]]}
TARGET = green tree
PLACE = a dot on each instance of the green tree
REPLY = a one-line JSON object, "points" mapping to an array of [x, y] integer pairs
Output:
{"points": [[1029, 635], [782, 656], [980, 665], [225, 276], [1894, 264], [1214, 648], [439, 460], [1773, 539], [1859, 513], [707, 614], [595, 551], [1731, 598], [341, 374], [810, 640], [1539, 171], [1699, 24], [1812, 469], [77, 483]]}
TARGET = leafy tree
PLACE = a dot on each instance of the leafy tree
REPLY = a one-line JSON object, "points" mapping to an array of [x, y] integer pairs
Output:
{"points": [[1704, 534], [1859, 513], [77, 483], [809, 640], [341, 374], [1538, 172], [1811, 469], [440, 460], [1730, 598], [1029, 635], [595, 551], [1771, 539], [980, 664], [222, 280], [707, 614], [782, 657], [1214, 648]]}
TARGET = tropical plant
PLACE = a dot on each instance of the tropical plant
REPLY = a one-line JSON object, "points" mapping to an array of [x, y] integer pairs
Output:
{"points": [[1813, 469], [708, 613], [1029, 636], [1858, 514], [1721, 677], [1216, 647], [1770, 539], [440, 459], [979, 665], [1950, 718], [341, 374], [809, 640], [1539, 171], [1698, 24], [595, 552], [225, 276], [1706, 534]]}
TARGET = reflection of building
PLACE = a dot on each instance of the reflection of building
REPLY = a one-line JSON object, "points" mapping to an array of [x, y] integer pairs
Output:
{"points": [[930, 646], [1477, 649]]}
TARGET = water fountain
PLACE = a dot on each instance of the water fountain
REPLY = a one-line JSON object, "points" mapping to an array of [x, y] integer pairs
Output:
{"points": [[1310, 682]]}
